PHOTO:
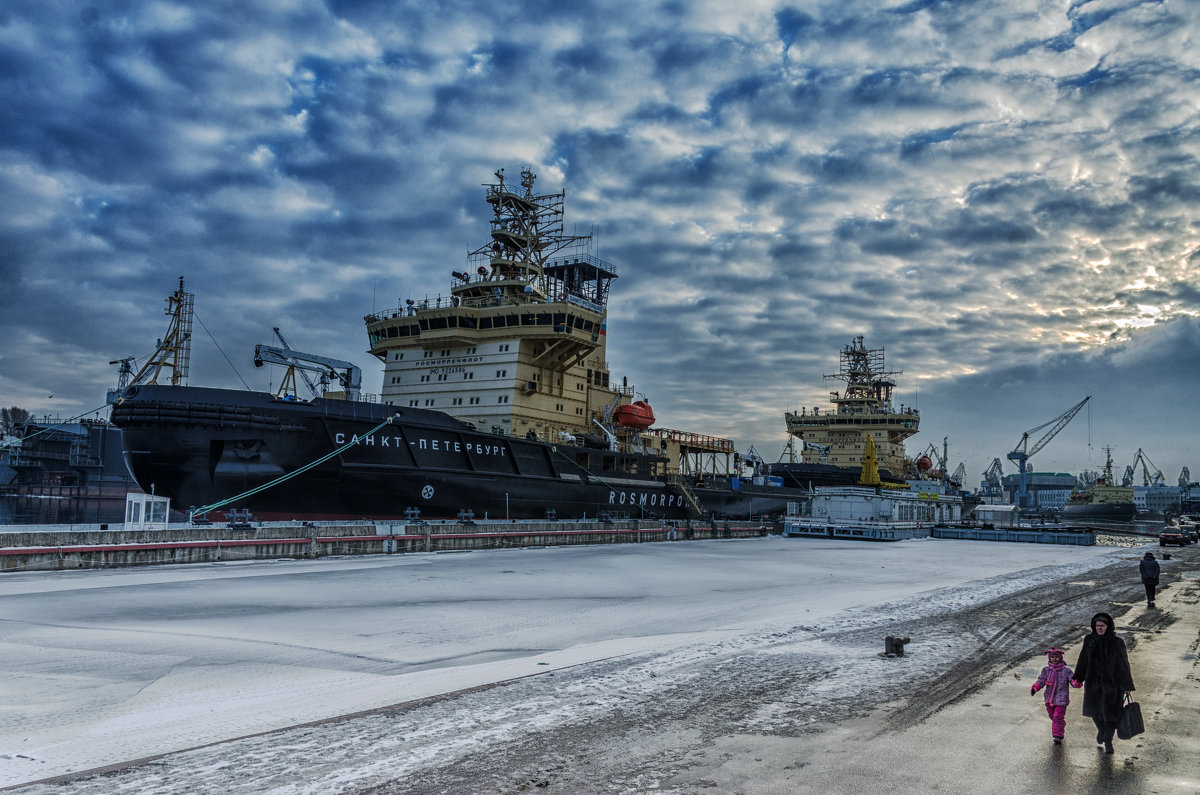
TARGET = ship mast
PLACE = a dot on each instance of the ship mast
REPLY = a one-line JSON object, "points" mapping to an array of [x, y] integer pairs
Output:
{"points": [[868, 384], [174, 350]]}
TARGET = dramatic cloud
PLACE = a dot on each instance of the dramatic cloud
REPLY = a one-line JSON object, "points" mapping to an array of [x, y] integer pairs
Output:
{"points": [[1001, 194]]}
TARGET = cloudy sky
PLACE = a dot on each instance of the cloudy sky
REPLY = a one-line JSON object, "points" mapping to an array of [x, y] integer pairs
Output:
{"points": [[1001, 194]]}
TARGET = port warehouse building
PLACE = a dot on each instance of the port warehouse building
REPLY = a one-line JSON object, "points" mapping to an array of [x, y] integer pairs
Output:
{"points": [[1047, 490]]}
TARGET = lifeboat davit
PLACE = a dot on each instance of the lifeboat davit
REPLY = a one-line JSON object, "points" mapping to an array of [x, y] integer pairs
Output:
{"points": [[637, 414]]}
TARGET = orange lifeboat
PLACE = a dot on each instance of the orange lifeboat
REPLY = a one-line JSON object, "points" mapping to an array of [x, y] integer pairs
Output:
{"points": [[637, 414]]}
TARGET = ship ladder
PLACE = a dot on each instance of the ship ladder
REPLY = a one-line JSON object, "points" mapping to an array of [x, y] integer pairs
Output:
{"points": [[687, 492]]}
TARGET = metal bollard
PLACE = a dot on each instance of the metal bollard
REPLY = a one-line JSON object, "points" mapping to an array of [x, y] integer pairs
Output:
{"points": [[893, 645]]}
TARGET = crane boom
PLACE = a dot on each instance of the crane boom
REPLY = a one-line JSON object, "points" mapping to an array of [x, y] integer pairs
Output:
{"points": [[1021, 454], [346, 373]]}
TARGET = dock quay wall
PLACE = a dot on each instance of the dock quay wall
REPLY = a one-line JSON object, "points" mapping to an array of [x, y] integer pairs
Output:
{"points": [[1026, 536], [78, 547]]}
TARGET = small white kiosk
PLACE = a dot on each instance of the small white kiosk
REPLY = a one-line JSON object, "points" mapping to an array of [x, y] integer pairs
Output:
{"points": [[146, 512], [998, 515]]}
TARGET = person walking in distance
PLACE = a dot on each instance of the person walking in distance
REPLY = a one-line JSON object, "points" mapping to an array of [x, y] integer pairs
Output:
{"points": [[1103, 669], [1149, 570], [1056, 678]]}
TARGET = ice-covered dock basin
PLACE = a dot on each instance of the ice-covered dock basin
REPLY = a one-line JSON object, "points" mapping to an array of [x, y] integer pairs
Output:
{"points": [[101, 667]]}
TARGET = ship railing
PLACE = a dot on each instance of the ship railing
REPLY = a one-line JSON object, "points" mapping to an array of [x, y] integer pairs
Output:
{"points": [[450, 302], [694, 439]]}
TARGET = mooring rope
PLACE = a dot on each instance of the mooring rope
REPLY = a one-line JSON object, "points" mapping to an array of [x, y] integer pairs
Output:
{"points": [[282, 478]]}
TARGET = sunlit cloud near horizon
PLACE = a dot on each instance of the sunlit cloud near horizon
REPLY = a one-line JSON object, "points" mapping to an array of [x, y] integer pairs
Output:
{"points": [[1000, 194]]}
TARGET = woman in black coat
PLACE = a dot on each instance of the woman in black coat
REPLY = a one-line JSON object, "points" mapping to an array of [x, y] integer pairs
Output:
{"points": [[1103, 668]]}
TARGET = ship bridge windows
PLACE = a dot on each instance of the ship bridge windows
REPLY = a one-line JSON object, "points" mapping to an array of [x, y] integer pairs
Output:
{"points": [[392, 332]]}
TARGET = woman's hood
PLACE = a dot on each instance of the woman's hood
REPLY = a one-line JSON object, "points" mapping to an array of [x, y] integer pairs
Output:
{"points": [[1107, 619]]}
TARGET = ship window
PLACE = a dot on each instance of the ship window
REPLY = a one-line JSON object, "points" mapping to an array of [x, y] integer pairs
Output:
{"points": [[436, 322], [423, 323], [503, 399], [429, 402], [502, 373], [544, 319], [513, 320], [467, 322], [485, 322], [393, 331], [474, 401], [468, 376]]}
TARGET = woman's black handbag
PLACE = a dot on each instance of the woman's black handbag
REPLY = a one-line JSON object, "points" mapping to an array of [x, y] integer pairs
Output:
{"points": [[1131, 724]]}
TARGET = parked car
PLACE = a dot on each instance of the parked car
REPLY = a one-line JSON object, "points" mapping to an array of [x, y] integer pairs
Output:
{"points": [[1172, 535], [1190, 530]]}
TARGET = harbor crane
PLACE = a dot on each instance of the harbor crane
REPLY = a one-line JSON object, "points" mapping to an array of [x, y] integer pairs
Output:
{"points": [[347, 374], [993, 484], [1148, 479], [960, 474], [1021, 453], [822, 450], [315, 389]]}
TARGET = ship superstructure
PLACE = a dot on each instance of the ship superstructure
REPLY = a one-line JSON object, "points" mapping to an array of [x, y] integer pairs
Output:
{"points": [[863, 408], [1101, 501], [518, 346]]}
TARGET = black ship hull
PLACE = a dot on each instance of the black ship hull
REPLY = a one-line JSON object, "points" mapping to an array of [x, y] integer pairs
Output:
{"points": [[805, 476], [1103, 512], [202, 446]]}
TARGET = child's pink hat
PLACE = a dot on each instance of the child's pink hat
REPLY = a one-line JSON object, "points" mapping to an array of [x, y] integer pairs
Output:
{"points": [[1052, 652]]}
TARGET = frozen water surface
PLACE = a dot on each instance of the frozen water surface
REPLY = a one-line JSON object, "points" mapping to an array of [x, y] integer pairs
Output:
{"points": [[99, 667]]}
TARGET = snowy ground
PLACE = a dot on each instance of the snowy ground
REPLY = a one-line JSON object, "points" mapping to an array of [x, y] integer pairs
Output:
{"points": [[102, 668]]}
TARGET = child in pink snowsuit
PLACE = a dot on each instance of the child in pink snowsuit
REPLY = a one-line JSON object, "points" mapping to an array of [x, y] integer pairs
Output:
{"points": [[1056, 678]]}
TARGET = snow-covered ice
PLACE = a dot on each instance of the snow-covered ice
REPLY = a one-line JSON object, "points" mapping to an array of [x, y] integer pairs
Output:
{"points": [[101, 667]]}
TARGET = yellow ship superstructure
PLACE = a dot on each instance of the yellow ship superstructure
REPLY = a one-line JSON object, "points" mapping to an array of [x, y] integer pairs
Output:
{"points": [[863, 408], [518, 347]]}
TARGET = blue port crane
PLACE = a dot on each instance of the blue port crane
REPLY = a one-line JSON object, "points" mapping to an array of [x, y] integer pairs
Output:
{"points": [[1021, 453]]}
